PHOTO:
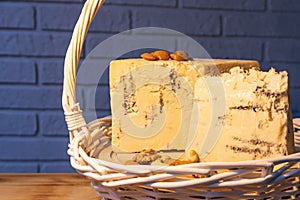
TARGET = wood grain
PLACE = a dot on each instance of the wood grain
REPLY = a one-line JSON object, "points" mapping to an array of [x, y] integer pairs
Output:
{"points": [[46, 187]]}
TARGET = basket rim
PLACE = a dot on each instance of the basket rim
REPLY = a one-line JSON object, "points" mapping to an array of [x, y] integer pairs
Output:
{"points": [[116, 175]]}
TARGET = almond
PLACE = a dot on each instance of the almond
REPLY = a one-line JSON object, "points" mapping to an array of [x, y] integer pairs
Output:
{"points": [[148, 56], [161, 55], [193, 156], [182, 54], [176, 57]]}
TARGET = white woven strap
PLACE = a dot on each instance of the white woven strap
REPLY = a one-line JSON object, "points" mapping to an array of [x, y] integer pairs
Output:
{"points": [[73, 113], [75, 119]]}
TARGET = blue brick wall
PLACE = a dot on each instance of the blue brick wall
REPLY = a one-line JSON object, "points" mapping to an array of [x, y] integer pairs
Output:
{"points": [[34, 35]]}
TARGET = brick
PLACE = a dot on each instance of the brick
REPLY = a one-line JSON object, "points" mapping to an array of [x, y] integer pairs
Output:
{"points": [[16, 17], [296, 115], [56, 167], [104, 79], [61, 1], [17, 124], [283, 50], [108, 19], [51, 72], [286, 5], [102, 100], [18, 167], [102, 113], [30, 98], [292, 69], [165, 3], [111, 19], [266, 24], [93, 40], [193, 22], [17, 44], [225, 5], [93, 71], [141, 39], [33, 149], [57, 17], [295, 99], [53, 124], [18, 72], [100, 97], [223, 48]]}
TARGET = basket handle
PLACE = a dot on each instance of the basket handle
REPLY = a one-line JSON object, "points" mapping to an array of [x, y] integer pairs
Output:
{"points": [[71, 108]]}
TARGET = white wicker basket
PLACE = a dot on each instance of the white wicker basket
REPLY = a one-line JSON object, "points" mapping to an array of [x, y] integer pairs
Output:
{"points": [[260, 179]]}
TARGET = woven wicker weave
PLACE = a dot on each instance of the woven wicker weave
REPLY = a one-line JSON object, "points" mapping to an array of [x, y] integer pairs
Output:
{"points": [[263, 179]]}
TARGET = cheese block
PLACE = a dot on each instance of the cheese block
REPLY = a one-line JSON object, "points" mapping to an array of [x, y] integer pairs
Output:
{"points": [[225, 110], [144, 92]]}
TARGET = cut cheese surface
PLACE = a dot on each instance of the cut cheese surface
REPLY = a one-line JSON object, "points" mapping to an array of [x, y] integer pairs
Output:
{"points": [[256, 121], [225, 110]]}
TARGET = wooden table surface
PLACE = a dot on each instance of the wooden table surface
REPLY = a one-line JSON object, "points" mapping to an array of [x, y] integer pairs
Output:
{"points": [[46, 187]]}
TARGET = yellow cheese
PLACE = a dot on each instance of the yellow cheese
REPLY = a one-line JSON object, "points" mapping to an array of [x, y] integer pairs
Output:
{"points": [[223, 112], [153, 101]]}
